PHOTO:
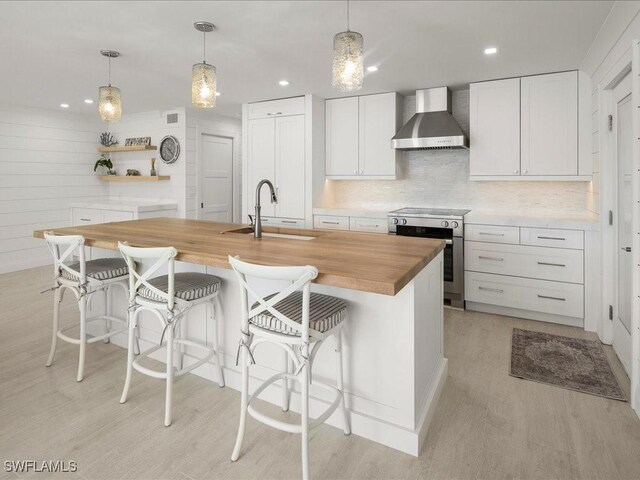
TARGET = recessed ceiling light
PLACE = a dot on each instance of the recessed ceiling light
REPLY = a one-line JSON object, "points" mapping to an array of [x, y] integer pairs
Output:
{"points": [[372, 68], [217, 94], [64, 105], [88, 101], [283, 83], [490, 51]]}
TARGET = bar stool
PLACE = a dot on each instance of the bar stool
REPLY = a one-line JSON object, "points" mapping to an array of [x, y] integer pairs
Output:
{"points": [[298, 321], [169, 297], [84, 279]]}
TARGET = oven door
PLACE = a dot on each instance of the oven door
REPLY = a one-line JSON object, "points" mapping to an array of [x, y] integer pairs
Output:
{"points": [[453, 253]]}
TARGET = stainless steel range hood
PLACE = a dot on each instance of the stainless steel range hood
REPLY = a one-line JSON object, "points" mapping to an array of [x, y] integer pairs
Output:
{"points": [[432, 126]]}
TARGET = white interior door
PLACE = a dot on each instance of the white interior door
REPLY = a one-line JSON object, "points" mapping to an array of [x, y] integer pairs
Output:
{"points": [[216, 178], [624, 143]]}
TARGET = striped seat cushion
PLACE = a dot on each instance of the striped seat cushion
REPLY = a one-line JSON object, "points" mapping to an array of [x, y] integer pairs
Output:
{"points": [[325, 312], [99, 269], [188, 286]]}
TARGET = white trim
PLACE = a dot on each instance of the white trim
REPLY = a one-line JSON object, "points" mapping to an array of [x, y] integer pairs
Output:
{"points": [[533, 178]]}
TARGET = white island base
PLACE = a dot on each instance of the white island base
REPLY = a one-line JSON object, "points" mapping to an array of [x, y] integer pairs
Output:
{"points": [[393, 354]]}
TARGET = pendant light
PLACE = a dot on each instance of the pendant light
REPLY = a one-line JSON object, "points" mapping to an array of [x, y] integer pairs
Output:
{"points": [[203, 75], [109, 101], [348, 64]]}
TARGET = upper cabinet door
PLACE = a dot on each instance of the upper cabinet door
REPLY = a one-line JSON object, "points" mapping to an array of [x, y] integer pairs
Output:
{"points": [[495, 128], [290, 171], [378, 123], [261, 146], [550, 124], [342, 136]]}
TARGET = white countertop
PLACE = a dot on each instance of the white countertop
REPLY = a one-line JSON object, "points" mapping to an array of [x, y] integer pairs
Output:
{"points": [[129, 205], [578, 221], [351, 212]]}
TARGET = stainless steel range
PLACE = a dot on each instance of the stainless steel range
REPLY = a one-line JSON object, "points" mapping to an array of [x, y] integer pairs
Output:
{"points": [[441, 223]]}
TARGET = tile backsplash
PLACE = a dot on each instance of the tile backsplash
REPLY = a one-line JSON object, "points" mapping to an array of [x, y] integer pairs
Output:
{"points": [[440, 178]]}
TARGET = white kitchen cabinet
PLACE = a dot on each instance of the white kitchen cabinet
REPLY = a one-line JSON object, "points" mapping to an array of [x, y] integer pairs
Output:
{"points": [[358, 136], [549, 124], [342, 137], [290, 167], [527, 129], [262, 158], [495, 128], [284, 143]]}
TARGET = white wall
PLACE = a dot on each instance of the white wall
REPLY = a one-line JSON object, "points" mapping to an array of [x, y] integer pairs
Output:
{"points": [[206, 122], [46, 160], [154, 125], [440, 178]]}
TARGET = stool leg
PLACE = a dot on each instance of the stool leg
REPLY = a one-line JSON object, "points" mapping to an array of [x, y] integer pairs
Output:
{"points": [[82, 304], [56, 320], [243, 405], [217, 320], [346, 427], [169, 393], [304, 412], [285, 383], [107, 311], [133, 316], [182, 347]]}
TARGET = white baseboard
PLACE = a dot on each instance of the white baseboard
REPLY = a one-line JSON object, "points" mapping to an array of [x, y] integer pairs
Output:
{"points": [[529, 315]]}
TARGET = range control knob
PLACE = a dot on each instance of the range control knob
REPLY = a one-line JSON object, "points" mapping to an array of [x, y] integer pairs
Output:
{"points": [[445, 223], [395, 221], [404, 221], [454, 224]]}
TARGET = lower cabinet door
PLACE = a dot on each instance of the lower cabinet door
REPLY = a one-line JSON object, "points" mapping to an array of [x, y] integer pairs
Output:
{"points": [[555, 298], [116, 216], [86, 216]]}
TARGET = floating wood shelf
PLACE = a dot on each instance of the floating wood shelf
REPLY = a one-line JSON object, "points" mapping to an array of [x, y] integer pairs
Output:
{"points": [[122, 178], [130, 148]]}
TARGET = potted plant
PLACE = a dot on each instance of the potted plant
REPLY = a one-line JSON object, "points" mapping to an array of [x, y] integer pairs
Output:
{"points": [[105, 163]]}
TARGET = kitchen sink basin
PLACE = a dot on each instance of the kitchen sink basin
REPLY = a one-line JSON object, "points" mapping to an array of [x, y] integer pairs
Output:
{"points": [[288, 236]]}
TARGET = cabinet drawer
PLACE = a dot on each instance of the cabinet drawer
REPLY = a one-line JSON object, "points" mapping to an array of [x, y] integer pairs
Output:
{"points": [[524, 293], [492, 233], [283, 222], [374, 225], [277, 108], [543, 263], [86, 216], [551, 237], [331, 222], [116, 216]]}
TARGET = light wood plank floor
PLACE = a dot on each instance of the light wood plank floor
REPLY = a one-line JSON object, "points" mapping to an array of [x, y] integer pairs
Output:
{"points": [[488, 425]]}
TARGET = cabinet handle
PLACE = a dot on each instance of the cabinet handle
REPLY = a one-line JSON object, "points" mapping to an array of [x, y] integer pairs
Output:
{"points": [[330, 223], [276, 113], [551, 238], [497, 259], [491, 234], [497, 290], [516, 171], [552, 264], [524, 172], [289, 221], [552, 298], [85, 219]]}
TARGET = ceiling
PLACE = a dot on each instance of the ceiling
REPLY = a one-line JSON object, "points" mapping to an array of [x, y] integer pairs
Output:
{"points": [[50, 50]]}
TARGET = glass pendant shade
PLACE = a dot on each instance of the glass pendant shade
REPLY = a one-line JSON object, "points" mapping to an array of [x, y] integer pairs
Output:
{"points": [[109, 104], [203, 85], [348, 64]]}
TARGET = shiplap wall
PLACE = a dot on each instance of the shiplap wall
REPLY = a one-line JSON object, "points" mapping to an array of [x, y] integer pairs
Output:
{"points": [[46, 163], [440, 178]]}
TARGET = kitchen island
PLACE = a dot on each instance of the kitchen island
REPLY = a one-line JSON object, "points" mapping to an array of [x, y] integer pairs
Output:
{"points": [[393, 350]]}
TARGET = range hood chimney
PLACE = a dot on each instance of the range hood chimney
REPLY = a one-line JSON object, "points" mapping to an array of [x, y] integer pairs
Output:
{"points": [[432, 126]]}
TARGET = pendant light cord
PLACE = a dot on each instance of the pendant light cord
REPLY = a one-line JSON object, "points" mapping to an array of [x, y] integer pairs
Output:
{"points": [[348, 29], [109, 70], [204, 47]]}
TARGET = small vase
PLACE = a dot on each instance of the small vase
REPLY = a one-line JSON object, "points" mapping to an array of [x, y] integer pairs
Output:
{"points": [[153, 172]]}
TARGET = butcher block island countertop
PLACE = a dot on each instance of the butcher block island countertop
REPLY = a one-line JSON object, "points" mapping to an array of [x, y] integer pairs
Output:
{"points": [[359, 261]]}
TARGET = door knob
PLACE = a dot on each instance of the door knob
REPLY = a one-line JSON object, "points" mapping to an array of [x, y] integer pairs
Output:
{"points": [[626, 249]]}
